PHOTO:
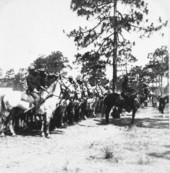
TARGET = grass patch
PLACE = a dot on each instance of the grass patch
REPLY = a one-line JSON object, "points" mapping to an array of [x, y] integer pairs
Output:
{"points": [[143, 160], [65, 167], [108, 153]]}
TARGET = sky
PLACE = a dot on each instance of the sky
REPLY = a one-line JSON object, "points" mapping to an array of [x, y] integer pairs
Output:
{"points": [[31, 28]]}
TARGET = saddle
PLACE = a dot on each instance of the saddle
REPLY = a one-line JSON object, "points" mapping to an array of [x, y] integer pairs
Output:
{"points": [[25, 96]]}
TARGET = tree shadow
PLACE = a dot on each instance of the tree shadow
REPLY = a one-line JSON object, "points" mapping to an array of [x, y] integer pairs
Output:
{"points": [[163, 155], [36, 133], [28, 132], [156, 123], [167, 146], [57, 132]]}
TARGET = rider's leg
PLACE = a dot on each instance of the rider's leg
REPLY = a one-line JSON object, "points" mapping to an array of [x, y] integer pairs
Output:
{"points": [[36, 102]]}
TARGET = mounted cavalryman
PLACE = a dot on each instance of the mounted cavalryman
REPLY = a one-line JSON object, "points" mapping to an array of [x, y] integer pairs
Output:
{"points": [[127, 93], [33, 87], [43, 78], [82, 87]]}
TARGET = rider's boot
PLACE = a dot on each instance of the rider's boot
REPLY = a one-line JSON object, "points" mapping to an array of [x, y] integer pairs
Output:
{"points": [[37, 108]]}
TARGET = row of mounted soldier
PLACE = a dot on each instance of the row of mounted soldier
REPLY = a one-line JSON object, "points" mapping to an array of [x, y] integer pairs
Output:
{"points": [[39, 80], [54, 99]]}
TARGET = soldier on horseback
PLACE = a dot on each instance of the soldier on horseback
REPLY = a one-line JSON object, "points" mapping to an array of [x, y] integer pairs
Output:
{"points": [[82, 87], [72, 88], [127, 92], [89, 88], [43, 78], [35, 83]]}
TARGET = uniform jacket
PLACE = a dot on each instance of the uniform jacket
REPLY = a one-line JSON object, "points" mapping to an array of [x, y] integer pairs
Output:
{"points": [[33, 82]]}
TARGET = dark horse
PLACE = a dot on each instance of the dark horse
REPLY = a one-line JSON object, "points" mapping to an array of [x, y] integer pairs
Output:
{"points": [[121, 101], [162, 102]]}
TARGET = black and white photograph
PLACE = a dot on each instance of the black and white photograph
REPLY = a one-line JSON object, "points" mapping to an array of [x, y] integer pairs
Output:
{"points": [[84, 86]]}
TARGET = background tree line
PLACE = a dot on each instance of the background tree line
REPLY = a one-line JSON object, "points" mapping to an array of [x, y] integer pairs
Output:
{"points": [[53, 63], [107, 43], [152, 73], [107, 40]]}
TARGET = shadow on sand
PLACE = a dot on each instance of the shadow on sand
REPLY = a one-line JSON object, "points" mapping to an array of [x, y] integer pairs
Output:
{"points": [[152, 122], [35, 132], [162, 155]]}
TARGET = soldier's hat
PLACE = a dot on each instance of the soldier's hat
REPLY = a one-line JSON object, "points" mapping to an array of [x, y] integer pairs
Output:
{"points": [[70, 77], [41, 70], [78, 78], [51, 74], [31, 68]]}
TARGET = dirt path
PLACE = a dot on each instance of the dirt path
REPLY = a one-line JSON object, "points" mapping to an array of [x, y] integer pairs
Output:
{"points": [[92, 147]]}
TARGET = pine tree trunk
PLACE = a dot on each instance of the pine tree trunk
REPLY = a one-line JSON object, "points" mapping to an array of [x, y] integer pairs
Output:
{"points": [[114, 87]]}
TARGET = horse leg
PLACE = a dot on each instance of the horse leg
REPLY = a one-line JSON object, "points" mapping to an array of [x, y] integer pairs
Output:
{"points": [[2, 130], [94, 111], [2, 126], [133, 116], [108, 108], [84, 111], [47, 124], [24, 121], [43, 125], [76, 113], [11, 127], [11, 122], [70, 115]]}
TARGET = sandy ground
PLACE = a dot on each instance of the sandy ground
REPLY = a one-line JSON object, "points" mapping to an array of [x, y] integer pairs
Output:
{"points": [[92, 147]]}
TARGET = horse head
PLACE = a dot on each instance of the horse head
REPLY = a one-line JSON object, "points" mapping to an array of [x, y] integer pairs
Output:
{"points": [[53, 90]]}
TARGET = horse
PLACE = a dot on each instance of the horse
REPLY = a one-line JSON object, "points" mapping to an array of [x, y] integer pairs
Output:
{"points": [[115, 100], [93, 104], [17, 99], [69, 95]]}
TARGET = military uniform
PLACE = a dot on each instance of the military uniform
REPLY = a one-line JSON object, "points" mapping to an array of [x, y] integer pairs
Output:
{"points": [[42, 79], [33, 87], [83, 88], [89, 89]]}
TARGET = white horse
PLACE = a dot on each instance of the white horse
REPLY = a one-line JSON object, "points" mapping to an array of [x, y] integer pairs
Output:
{"points": [[18, 99]]}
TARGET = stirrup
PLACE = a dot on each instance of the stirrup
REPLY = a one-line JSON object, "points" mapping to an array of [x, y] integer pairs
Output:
{"points": [[29, 109]]}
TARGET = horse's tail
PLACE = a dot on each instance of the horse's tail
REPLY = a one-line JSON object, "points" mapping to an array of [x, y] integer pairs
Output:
{"points": [[2, 104], [103, 107]]}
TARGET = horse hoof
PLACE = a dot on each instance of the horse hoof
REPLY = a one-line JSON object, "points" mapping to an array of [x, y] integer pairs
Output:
{"points": [[131, 125], [2, 135], [47, 136], [43, 135], [14, 135], [107, 122]]}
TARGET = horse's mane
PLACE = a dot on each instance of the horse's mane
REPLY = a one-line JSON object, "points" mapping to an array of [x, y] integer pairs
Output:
{"points": [[53, 86]]}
